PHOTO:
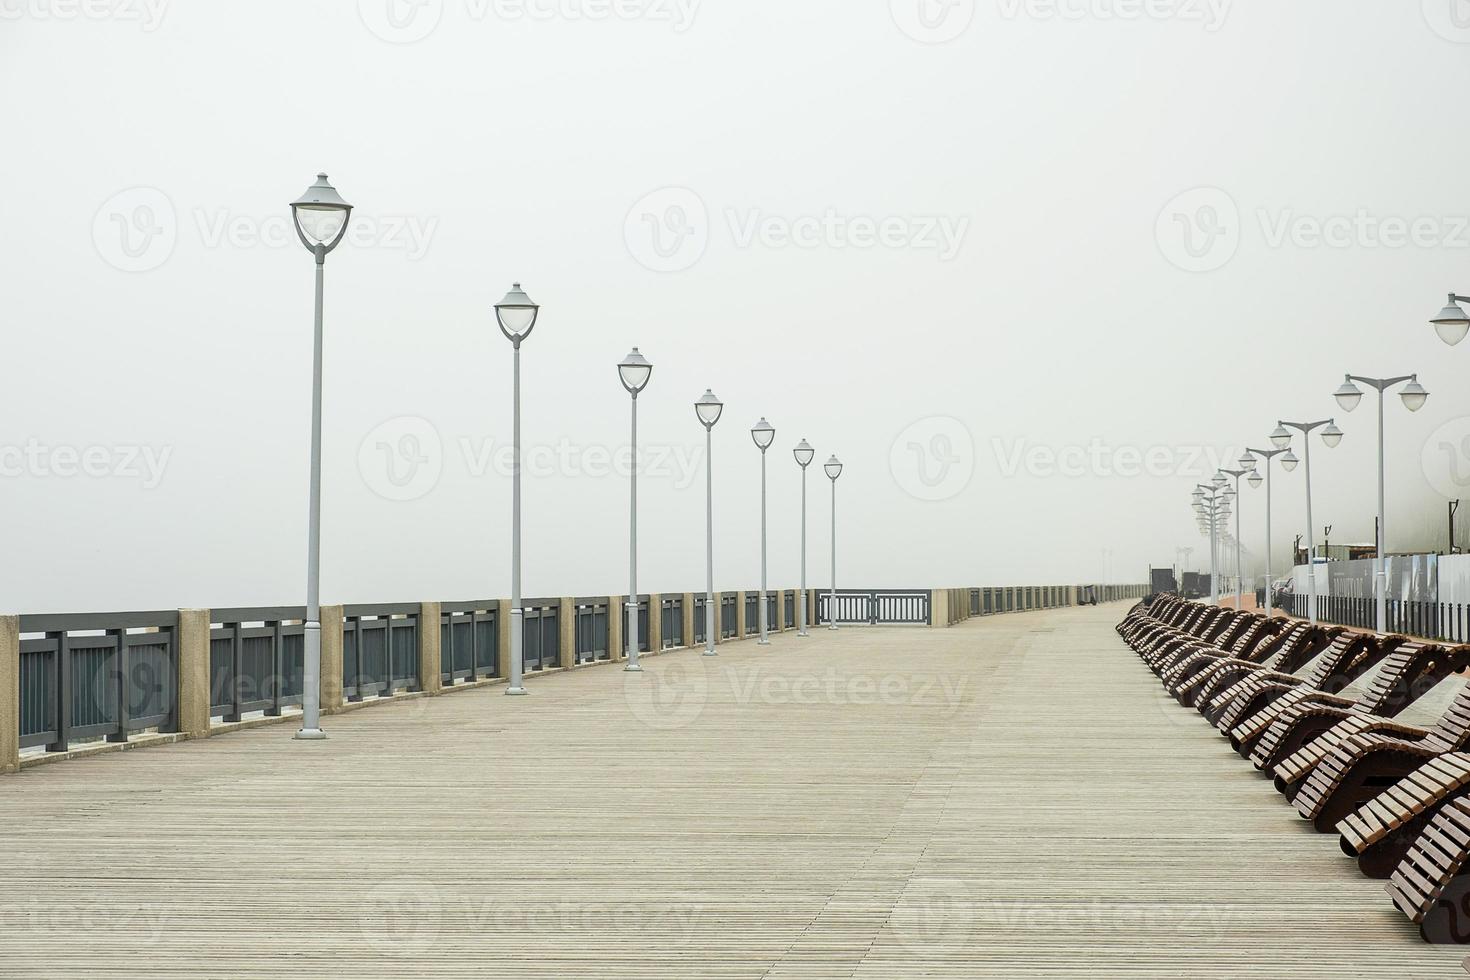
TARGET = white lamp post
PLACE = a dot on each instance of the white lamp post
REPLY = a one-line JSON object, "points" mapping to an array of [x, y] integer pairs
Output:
{"points": [[804, 454], [1414, 396], [833, 469], [1331, 436], [708, 409], [1235, 497], [320, 216], [1290, 463], [634, 372], [516, 315], [763, 435]]}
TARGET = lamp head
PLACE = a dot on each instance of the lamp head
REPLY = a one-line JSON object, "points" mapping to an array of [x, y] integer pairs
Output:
{"points": [[804, 454], [1348, 395], [634, 372], [516, 314], [320, 215], [1451, 324], [763, 435], [708, 408]]}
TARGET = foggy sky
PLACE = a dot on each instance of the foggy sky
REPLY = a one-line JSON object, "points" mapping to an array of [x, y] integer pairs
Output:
{"points": [[1030, 269]]}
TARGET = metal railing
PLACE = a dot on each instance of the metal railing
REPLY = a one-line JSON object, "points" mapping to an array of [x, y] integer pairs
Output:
{"points": [[255, 660], [671, 621], [1446, 622], [469, 641], [875, 607], [380, 650], [591, 630]]}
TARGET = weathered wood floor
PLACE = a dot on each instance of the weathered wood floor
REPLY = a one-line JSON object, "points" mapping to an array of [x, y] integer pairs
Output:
{"points": [[1014, 797]]}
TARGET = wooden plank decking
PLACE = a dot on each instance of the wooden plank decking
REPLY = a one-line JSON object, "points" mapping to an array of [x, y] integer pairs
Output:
{"points": [[1014, 797]]}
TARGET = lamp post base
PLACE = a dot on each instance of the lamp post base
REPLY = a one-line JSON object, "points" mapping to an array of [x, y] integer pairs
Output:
{"points": [[310, 735], [710, 653], [516, 691], [803, 633], [633, 669], [762, 643]]}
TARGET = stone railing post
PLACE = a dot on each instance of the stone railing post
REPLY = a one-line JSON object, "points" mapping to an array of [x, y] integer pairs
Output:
{"points": [[502, 639], [431, 680], [689, 620], [655, 622], [331, 689], [939, 609], [9, 693], [740, 615], [192, 692], [615, 614], [566, 629]]}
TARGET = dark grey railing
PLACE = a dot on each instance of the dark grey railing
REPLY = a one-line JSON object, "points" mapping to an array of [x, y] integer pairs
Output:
{"points": [[380, 645], [727, 615], [876, 607], [255, 660], [671, 621], [469, 641], [643, 637], [541, 642], [97, 675], [788, 605], [591, 630]]}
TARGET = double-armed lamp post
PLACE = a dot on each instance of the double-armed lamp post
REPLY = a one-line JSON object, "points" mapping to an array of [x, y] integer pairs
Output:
{"points": [[1414, 396], [1281, 438]]}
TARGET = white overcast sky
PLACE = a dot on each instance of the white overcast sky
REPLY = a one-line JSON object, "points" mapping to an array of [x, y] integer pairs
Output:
{"points": [[991, 254]]}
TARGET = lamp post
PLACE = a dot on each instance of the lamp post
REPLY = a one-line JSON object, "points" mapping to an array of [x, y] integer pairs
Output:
{"points": [[833, 469], [516, 315], [763, 435], [320, 216], [708, 409], [1414, 396], [1248, 461], [1235, 495], [634, 372], [1331, 436], [804, 454], [1211, 504]]}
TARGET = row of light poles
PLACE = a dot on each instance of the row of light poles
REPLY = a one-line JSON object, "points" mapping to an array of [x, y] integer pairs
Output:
{"points": [[320, 216]]}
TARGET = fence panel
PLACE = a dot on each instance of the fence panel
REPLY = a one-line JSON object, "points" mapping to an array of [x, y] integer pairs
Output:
{"points": [[469, 641], [671, 619]]}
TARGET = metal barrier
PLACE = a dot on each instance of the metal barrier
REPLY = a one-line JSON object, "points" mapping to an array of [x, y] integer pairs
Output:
{"points": [[876, 607], [671, 621], [469, 641], [380, 650], [591, 630], [255, 660]]}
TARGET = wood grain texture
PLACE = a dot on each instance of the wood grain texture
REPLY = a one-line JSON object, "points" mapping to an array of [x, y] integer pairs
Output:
{"points": [[1015, 797]]}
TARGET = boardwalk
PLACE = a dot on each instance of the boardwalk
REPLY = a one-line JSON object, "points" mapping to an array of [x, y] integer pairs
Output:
{"points": [[1011, 798]]}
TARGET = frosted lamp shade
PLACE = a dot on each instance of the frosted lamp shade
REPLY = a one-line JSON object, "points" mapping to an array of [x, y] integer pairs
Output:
{"points": [[804, 454], [1348, 396], [708, 408], [1414, 396], [516, 314], [634, 371], [833, 468], [763, 435], [1332, 435]]}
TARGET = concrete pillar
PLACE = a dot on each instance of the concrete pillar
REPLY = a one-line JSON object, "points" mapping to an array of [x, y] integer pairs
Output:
{"points": [[740, 615], [939, 609], [331, 683], [566, 628], [10, 693], [655, 622], [502, 639], [615, 614], [431, 680], [192, 692], [689, 619], [719, 626], [779, 626]]}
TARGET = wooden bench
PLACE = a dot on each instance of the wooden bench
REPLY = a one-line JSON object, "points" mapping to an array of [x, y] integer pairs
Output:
{"points": [[1380, 831]]}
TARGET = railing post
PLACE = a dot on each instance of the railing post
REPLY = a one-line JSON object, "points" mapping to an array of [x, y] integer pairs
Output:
{"points": [[566, 627], [615, 614], [655, 622], [9, 694], [688, 610], [939, 609], [331, 680], [740, 615], [431, 657], [502, 640], [192, 693], [778, 625]]}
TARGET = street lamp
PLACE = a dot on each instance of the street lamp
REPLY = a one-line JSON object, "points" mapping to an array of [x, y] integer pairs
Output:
{"points": [[1331, 436], [1234, 495], [1255, 481], [633, 372], [708, 409], [320, 216], [763, 435], [516, 315], [1414, 396], [1211, 502], [804, 454], [1452, 324], [833, 469]]}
